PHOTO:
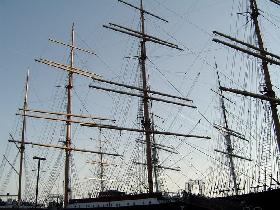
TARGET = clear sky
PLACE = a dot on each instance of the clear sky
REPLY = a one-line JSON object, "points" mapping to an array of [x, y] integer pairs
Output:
{"points": [[25, 27]]}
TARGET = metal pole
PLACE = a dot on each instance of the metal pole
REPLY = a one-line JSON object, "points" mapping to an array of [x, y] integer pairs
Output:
{"points": [[38, 177]]}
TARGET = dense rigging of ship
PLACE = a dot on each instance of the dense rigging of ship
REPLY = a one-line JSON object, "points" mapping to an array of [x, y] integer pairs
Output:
{"points": [[245, 171]]}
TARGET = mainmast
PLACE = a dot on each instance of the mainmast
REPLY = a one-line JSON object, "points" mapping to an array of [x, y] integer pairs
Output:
{"points": [[22, 146], [68, 123], [146, 121], [144, 91]]}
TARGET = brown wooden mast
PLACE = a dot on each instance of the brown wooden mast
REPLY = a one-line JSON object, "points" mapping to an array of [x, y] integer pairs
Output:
{"points": [[22, 146], [146, 121], [68, 124]]}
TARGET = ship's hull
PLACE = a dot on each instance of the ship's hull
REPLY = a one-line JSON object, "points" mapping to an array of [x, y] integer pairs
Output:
{"points": [[167, 206], [259, 200], [262, 200], [118, 200]]}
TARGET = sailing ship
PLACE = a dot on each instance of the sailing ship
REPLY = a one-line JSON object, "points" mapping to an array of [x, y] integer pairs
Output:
{"points": [[150, 195]]}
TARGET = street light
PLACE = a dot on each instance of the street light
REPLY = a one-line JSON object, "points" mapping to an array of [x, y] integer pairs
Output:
{"points": [[38, 176]]}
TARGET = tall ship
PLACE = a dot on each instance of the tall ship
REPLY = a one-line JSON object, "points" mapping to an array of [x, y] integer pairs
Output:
{"points": [[89, 155]]}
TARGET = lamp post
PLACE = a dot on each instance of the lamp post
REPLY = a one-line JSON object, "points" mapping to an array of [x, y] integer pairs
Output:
{"points": [[38, 176]]}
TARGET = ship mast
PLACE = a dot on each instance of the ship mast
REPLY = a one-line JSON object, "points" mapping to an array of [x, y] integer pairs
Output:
{"points": [[68, 123], [67, 117], [22, 146], [144, 91], [229, 148], [268, 86], [146, 121]]}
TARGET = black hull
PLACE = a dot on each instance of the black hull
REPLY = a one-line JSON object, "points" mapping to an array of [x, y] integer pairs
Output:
{"points": [[169, 206], [260, 200], [264, 200]]}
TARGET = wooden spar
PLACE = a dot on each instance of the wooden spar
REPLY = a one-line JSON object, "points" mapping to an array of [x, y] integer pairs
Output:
{"points": [[149, 91], [22, 141], [222, 96], [263, 57], [65, 114], [159, 166], [68, 68], [11, 164], [51, 118], [254, 95], [161, 147], [148, 38], [93, 76], [143, 10], [246, 44], [64, 148], [230, 132], [141, 96], [113, 127], [71, 46], [233, 155], [151, 38]]}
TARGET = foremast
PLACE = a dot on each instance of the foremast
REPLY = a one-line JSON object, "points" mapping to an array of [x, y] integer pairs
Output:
{"points": [[66, 118]]}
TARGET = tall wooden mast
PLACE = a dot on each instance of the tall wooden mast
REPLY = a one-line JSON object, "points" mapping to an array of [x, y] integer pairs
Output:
{"points": [[68, 123], [22, 147], [146, 121], [268, 86]]}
